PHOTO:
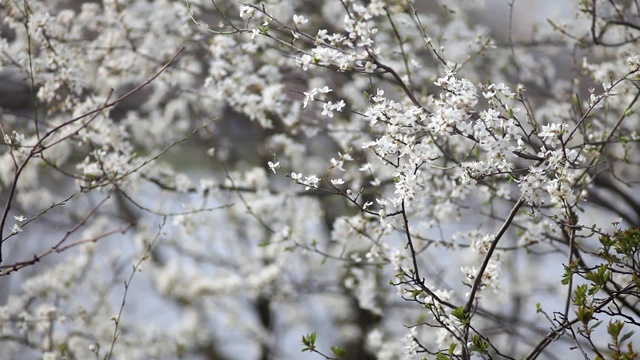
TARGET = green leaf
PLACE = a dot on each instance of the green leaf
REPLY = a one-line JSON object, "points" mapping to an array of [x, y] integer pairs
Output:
{"points": [[338, 351], [606, 241], [627, 336], [614, 328], [309, 342], [478, 344], [568, 273], [600, 276], [580, 295], [584, 314], [461, 315]]}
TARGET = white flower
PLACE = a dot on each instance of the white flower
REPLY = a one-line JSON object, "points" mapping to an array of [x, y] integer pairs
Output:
{"points": [[309, 96], [329, 107], [16, 229], [326, 109], [273, 166], [299, 20], [20, 218], [339, 164], [531, 185], [322, 35], [411, 345], [336, 182], [246, 11], [552, 133], [366, 167], [304, 61], [311, 182], [370, 67], [295, 176]]}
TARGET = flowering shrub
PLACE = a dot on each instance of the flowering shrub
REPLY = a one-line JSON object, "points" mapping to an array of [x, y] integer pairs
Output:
{"points": [[385, 179]]}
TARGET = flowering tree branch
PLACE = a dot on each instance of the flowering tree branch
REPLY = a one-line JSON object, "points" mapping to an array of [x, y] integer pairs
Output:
{"points": [[431, 183]]}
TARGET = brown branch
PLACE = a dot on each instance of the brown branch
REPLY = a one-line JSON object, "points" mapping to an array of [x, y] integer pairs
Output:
{"points": [[40, 146], [477, 282], [8, 269]]}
